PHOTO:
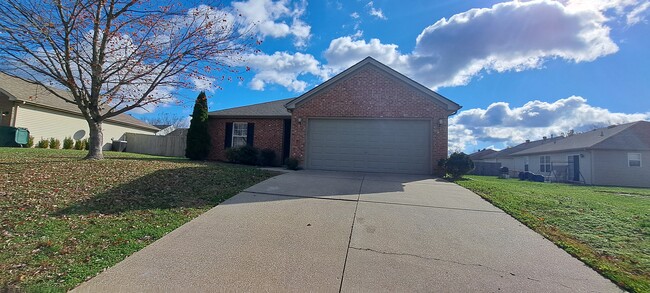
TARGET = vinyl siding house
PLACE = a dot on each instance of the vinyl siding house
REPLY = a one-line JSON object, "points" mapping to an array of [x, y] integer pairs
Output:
{"points": [[367, 118], [504, 157], [607, 156], [23, 104]]}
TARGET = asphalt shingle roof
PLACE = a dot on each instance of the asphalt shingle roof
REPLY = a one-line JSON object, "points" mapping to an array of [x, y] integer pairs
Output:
{"points": [[37, 95], [482, 153], [268, 109], [630, 136]]}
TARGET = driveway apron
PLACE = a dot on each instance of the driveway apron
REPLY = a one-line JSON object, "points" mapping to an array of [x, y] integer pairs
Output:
{"points": [[320, 231]]}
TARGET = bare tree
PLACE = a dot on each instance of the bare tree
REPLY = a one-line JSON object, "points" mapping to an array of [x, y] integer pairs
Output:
{"points": [[117, 55], [177, 121]]}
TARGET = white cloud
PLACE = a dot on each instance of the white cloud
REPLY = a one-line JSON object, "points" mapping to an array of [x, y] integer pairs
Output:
{"points": [[346, 51], [354, 15], [378, 13], [282, 68], [501, 123], [636, 15], [203, 83], [510, 36], [269, 19]]}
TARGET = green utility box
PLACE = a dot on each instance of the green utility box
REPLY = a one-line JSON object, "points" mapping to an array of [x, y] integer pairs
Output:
{"points": [[13, 136]]}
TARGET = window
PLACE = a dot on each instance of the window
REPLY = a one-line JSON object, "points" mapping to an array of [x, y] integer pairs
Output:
{"points": [[239, 134], [545, 164], [526, 164], [634, 159]]}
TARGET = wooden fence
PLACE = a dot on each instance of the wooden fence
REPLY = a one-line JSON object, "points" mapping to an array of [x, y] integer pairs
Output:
{"points": [[169, 145]]}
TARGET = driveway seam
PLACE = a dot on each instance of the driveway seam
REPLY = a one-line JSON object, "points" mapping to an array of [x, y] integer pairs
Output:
{"points": [[354, 219], [375, 202]]}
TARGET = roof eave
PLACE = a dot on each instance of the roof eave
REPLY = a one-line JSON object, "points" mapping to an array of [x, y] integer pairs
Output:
{"points": [[249, 117], [79, 114]]}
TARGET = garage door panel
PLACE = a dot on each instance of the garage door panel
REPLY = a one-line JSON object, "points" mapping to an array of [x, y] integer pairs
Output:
{"points": [[371, 145]]}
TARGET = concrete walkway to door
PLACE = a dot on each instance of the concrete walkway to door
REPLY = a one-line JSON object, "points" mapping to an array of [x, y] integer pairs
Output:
{"points": [[319, 231]]}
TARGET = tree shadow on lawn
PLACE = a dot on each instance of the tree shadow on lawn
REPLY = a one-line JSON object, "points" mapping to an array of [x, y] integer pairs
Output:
{"points": [[189, 187]]}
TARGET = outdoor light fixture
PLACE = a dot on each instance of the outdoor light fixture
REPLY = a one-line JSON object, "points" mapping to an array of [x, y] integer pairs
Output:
{"points": [[441, 121]]}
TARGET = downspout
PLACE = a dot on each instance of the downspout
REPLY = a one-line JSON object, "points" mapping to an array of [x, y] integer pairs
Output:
{"points": [[593, 175]]}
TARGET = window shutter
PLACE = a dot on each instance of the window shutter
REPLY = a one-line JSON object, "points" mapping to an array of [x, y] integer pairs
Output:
{"points": [[228, 140], [250, 133]]}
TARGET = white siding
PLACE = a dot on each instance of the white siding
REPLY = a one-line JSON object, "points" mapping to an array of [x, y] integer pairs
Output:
{"points": [[557, 159], [45, 123], [611, 168]]}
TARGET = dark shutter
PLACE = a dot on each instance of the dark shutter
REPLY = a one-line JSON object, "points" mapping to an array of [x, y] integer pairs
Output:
{"points": [[228, 140], [250, 134]]}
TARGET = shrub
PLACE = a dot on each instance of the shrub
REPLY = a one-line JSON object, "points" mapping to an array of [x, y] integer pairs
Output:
{"points": [[79, 144], [68, 143], [55, 143], [30, 142], [267, 157], [43, 143], [457, 165], [246, 155], [87, 144], [292, 163]]}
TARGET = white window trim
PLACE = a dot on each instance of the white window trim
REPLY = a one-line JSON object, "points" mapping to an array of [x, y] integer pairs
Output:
{"points": [[629, 159], [232, 139]]}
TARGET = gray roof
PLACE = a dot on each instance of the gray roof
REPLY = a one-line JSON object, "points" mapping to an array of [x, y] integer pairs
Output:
{"points": [[20, 90], [520, 147], [480, 154], [369, 61], [630, 136], [268, 109]]}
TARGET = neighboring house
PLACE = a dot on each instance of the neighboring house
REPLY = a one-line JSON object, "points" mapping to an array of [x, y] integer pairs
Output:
{"points": [[481, 167], [165, 129], [607, 156], [367, 118], [514, 164], [23, 104], [480, 154]]}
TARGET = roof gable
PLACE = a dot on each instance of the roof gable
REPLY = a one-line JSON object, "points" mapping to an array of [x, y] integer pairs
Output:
{"points": [[369, 61]]}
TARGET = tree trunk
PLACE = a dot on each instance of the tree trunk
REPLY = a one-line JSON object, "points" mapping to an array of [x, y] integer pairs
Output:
{"points": [[96, 141]]}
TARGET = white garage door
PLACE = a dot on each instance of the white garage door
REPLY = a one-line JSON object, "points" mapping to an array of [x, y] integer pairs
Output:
{"points": [[369, 145]]}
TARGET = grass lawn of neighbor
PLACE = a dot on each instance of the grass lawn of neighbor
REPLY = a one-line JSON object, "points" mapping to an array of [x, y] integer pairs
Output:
{"points": [[608, 228], [63, 219]]}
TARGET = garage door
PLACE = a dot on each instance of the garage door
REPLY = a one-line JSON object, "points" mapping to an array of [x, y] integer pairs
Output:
{"points": [[369, 145]]}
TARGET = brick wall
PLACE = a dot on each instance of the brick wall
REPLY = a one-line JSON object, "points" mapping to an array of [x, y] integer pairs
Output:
{"points": [[268, 134], [371, 93]]}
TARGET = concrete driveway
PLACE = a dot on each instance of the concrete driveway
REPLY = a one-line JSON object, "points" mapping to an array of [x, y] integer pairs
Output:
{"points": [[347, 232]]}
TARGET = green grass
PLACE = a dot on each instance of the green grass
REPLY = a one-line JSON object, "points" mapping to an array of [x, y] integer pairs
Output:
{"points": [[608, 228], [63, 220]]}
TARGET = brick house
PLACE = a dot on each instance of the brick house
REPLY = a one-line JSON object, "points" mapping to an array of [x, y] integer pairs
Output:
{"points": [[367, 118]]}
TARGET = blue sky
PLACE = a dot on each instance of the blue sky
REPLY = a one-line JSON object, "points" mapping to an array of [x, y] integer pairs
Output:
{"points": [[521, 69]]}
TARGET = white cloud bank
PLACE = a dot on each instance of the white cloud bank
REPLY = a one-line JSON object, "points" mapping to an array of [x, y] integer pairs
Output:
{"points": [[509, 36], [501, 123]]}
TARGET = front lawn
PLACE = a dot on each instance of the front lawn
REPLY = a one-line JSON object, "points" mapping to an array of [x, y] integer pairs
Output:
{"points": [[606, 227], [63, 220]]}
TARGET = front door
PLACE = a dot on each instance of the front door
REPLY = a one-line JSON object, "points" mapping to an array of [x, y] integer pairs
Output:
{"points": [[574, 168]]}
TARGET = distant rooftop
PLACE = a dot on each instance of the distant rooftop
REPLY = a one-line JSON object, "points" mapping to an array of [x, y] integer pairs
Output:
{"points": [[24, 91], [629, 136]]}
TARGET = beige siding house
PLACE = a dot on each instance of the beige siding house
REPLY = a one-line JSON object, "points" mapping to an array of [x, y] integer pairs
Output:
{"points": [[23, 104], [608, 156]]}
